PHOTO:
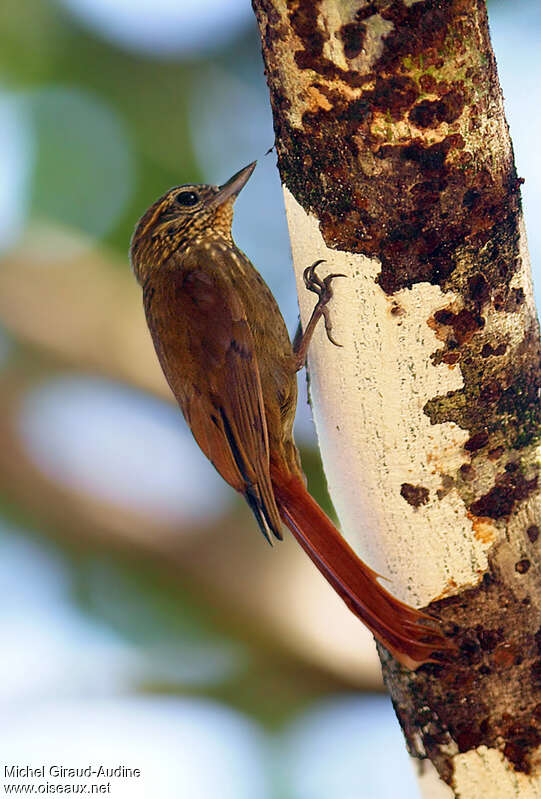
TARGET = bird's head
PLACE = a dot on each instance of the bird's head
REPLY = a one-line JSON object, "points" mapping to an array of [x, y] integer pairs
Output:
{"points": [[180, 217]]}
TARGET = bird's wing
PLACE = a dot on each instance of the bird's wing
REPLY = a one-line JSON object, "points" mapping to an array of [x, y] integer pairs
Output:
{"points": [[206, 350]]}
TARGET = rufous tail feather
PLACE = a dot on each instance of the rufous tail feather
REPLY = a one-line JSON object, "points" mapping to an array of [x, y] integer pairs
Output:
{"points": [[400, 628]]}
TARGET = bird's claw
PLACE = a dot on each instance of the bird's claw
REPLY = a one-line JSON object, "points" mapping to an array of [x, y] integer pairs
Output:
{"points": [[323, 289]]}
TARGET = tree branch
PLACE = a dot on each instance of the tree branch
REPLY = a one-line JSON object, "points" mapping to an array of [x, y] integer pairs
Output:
{"points": [[398, 170]]}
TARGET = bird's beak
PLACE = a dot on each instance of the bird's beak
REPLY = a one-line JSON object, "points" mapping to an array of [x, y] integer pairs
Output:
{"points": [[233, 186]]}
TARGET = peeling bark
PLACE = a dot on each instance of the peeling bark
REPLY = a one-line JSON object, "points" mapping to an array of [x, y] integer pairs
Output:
{"points": [[398, 170]]}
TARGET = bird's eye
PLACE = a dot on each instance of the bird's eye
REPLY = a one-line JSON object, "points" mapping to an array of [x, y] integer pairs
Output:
{"points": [[187, 198]]}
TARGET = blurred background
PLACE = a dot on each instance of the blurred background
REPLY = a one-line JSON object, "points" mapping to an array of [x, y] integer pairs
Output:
{"points": [[143, 619]]}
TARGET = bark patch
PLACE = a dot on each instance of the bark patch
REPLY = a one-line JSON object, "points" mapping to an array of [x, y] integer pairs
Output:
{"points": [[414, 201], [485, 693], [500, 501], [414, 495], [500, 396], [476, 442], [533, 533], [352, 36]]}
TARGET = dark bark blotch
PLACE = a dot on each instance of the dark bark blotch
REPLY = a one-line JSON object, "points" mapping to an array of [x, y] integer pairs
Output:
{"points": [[352, 36], [499, 502], [429, 113], [476, 442], [533, 533], [414, 495], [465, 323]]}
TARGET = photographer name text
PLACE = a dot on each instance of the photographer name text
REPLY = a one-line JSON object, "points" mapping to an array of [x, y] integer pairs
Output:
{"points": [[42, 771]]}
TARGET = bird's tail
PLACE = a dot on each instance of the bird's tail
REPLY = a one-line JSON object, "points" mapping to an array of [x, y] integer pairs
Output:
{"points": [[399, 627]]}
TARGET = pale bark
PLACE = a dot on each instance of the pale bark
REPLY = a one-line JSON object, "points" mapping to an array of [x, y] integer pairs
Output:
{"points": [[398, 171]]}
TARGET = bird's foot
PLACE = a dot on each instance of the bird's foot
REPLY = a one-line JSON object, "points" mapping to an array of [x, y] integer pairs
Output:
{"points": [[323, 288]]}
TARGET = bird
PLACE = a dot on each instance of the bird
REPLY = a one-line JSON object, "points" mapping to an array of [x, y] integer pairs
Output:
{"points": [[225, 351]]}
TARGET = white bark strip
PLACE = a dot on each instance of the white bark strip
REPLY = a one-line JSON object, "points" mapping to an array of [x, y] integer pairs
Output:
{"points": [[480, 774], [368, 401], [485, 774]]}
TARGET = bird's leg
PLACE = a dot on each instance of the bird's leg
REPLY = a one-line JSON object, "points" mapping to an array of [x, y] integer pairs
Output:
{"points": [[323, 289]]}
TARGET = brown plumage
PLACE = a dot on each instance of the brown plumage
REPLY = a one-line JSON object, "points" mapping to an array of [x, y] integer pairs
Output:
{"points": [[225, 351]]}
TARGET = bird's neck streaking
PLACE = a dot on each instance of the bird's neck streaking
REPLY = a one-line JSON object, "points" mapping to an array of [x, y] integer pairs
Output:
{"points": [[159, 239]]}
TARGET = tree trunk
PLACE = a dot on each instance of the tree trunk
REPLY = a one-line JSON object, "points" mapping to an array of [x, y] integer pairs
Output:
{"points": [[398, 170]]}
